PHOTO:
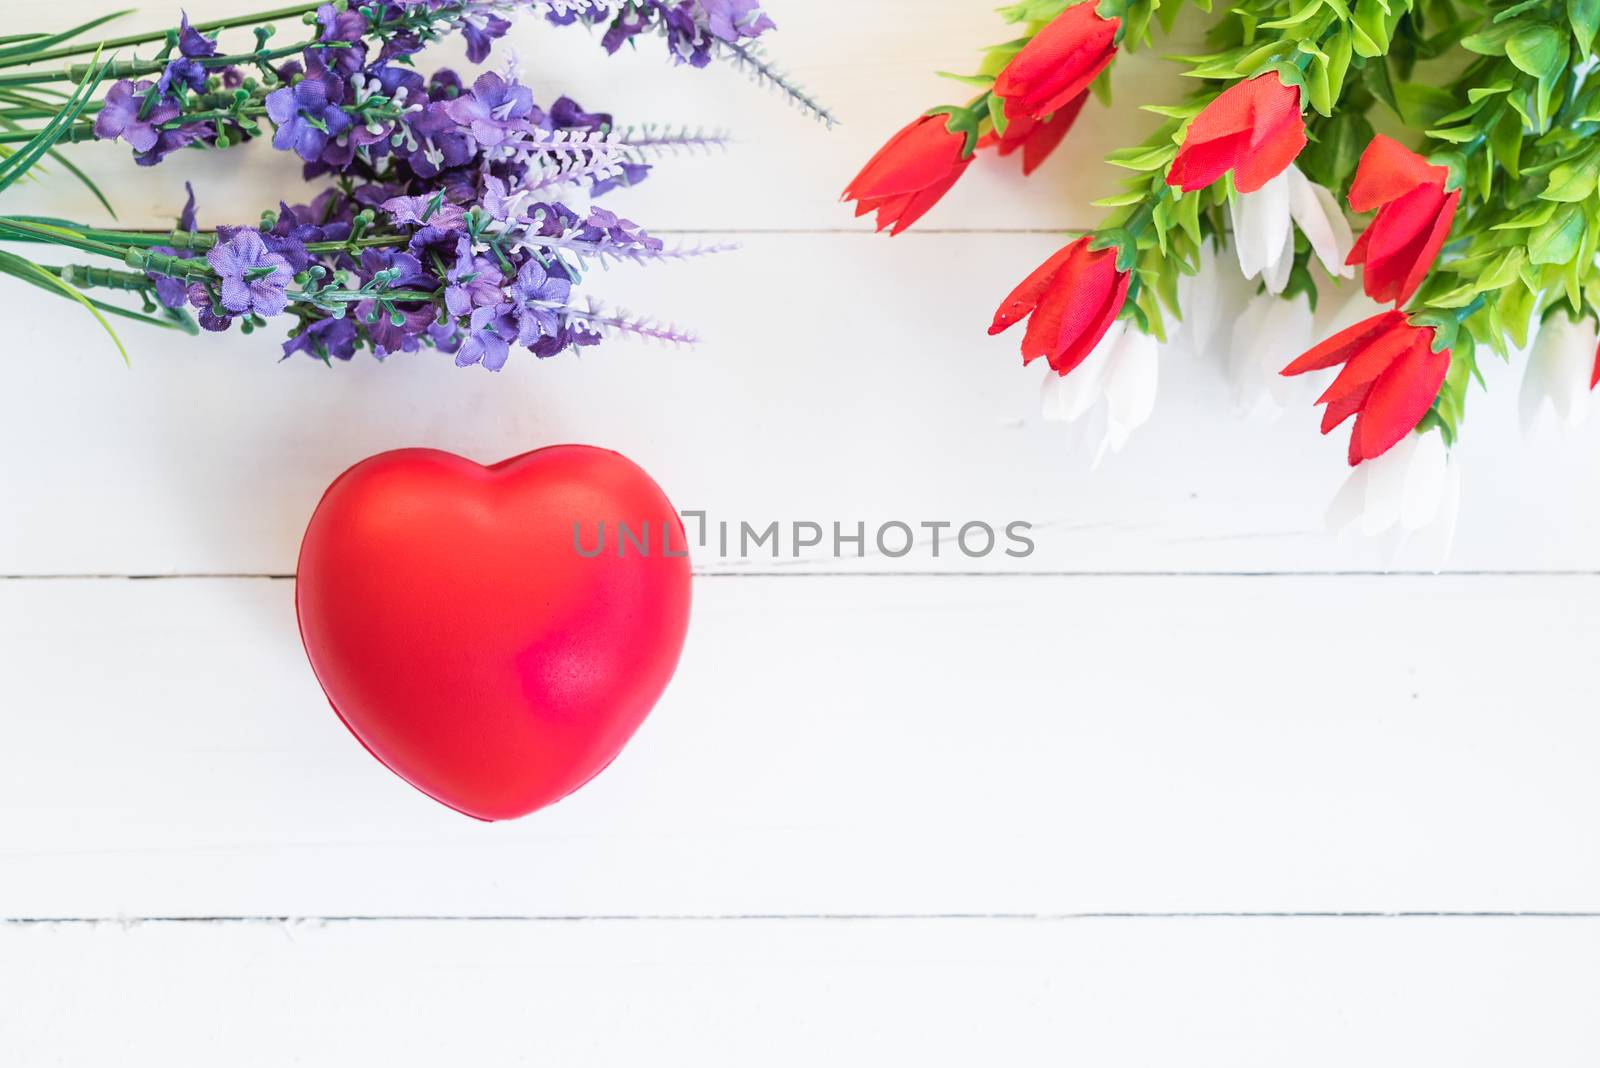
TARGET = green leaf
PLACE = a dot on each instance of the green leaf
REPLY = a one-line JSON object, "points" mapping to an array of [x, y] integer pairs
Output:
{"points": [[1572, 181], [997, 114], [1421, 105], [979, 81], [1491, 41], [1141, 158], [41, 44], [1585, 18], [16, 265], [1505, 139], [1540, 50], [1557, 241]]}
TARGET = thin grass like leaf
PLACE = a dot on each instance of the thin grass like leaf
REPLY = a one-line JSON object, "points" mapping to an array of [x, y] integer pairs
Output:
{"points": [[29, 271]]}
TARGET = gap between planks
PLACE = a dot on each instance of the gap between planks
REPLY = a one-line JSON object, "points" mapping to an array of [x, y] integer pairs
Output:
{"points": [[820, 917]]}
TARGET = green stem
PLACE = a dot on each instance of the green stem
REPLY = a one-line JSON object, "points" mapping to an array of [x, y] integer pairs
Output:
{"points": [[90, 47]]}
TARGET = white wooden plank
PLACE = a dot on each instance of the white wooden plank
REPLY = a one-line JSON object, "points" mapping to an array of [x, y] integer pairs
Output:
{"points": [[874, 63], [842, 381], [846, 745], [1115, 994]]}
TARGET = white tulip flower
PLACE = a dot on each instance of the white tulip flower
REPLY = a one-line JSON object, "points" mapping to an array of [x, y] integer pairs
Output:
{"points": [[1560, 371], [1111, 393], [1412, 494], [1264, 222]]}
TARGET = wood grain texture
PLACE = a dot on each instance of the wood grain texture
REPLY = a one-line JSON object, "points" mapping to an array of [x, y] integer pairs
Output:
{"points": [[1116, 994], [866, 745], [1008, 752]]}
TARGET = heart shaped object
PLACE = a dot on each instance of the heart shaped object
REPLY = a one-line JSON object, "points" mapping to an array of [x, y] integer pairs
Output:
{"points": [[468, 632]]}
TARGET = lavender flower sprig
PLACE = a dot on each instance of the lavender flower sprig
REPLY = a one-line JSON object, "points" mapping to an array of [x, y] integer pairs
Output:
{"points": [[448, 226]]}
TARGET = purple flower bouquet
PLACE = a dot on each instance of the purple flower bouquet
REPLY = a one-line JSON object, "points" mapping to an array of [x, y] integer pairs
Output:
{"points": [[444, 220]]}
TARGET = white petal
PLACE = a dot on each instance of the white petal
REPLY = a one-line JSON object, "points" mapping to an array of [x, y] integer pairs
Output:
{"points": [[1317, 213], [1130, 386], [1345, 508], [1425, 481], [1559, 365], [1386, 487], [1276, 276], [1067, 397], [1433, 544], [1260, 225]]}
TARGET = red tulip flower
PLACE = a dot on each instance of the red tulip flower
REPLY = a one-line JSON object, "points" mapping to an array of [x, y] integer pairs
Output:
{"points": [[1414, 218], [1390, 379], [1594, 379], [1073, 299], [1253, 129], [1037, 138], [911, 173], [1057, 66]]}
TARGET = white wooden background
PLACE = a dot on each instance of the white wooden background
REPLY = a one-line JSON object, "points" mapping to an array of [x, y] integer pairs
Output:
{"points": [[1195, 785]]}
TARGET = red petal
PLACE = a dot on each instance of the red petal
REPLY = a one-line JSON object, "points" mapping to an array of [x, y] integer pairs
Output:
{"points": [[1075, 350], [1400, 398], [1423, 263], [1339, 348], [1026, 296], [1047, 136], [1280, 134], [1370, 361], [1344, 408], [1199, 163], [917, 205], [1595, 379], [1396, 238], [1358, 253], [921, 155], [1073, 304], [1388, 170], [1060, 61]]}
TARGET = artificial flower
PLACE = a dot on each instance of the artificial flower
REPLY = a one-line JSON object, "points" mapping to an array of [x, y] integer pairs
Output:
{"points": [[1390, 378], [1264, 222], [1410, 495], [124, 115], [1563, 369], [1057, 66], [1037, 138], [1253, 128], [1266, 328], [1414, 217], [1070, 301], [253, 280], [1113, 391], [911, 173]]}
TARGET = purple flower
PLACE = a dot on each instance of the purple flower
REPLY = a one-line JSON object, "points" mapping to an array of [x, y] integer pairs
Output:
{"points": [[536, 287], [606, 227], [212, 317], [437, 144], [253, 278], [492, 109], [344, 30], [306, 118], [387, 336], [174, 292], [120, 117], [324, 339], [427, 210], [729, 20], [481, 31], [192, 43], [172, 140], [474, 281], [490, 333]]}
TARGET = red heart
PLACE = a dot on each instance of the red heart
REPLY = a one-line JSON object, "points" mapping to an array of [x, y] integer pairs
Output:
{"points": [[466, 640]]}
